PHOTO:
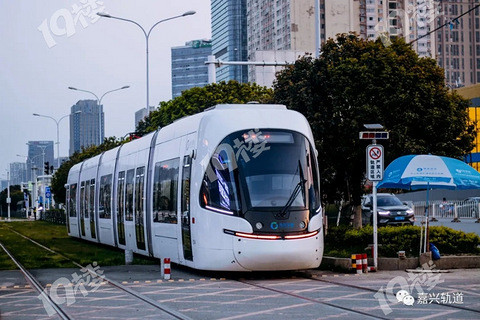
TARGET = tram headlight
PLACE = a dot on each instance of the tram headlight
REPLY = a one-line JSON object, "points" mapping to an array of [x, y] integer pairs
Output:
{"points": [[302, 224], [259, 225]]}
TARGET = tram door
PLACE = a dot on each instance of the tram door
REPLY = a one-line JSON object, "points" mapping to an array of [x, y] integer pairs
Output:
{"points": [[82, 209], [129, 225], [185, 198], [120, 209], [87, 214]]}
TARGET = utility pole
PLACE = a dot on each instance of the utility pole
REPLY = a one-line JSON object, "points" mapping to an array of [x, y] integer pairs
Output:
{"points": [[374, 171], [9, 200]]}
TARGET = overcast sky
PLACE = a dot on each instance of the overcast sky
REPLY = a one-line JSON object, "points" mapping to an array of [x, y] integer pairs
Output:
{"points": [[38, 61]]}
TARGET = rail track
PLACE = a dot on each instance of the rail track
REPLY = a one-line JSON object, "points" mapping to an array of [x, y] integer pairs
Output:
{"points": [[250, 282], [61, 312]]}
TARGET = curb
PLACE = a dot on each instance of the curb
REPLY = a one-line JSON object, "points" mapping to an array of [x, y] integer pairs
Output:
{"points": [[446, 262]]}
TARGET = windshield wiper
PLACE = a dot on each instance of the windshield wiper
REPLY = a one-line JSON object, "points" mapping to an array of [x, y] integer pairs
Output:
{"points": [[300, 186]]}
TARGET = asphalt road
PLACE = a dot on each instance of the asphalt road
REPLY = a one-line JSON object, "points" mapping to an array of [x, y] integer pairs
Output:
{"points": [[466, 225], [312, 295]]}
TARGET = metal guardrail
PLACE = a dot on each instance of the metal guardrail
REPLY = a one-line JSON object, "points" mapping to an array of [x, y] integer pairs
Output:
{"points": [[450, 209]]}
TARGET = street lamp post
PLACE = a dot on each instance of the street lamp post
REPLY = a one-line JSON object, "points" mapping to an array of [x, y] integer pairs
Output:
{"points": [[34, 178], [99, 102], [147, 36], [57, 122], [43, 176], [8, 195]]}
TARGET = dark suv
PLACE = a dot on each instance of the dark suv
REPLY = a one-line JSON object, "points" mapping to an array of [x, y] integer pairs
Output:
{"points": [[390, 210]]}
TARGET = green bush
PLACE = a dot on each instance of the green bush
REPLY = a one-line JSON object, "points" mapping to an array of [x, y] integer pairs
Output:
{"points": [[402, 238], [342, 241], [451, 241], [54, 216]]}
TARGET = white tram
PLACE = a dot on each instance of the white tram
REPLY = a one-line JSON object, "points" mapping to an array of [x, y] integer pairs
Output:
{"points": [[233, 188]]}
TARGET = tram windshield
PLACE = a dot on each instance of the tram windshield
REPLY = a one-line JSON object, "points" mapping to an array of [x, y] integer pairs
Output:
{"points": [[261, 170]]}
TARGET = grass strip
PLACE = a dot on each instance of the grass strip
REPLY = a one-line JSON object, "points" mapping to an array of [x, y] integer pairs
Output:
{"points": [[84, 252], [29, 254]]}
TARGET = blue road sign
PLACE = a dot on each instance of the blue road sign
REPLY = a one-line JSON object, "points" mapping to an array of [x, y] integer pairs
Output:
{"points": [[48, 193]]}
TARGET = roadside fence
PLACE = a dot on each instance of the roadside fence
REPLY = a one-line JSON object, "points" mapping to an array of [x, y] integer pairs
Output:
{"points": [[455, 210]]}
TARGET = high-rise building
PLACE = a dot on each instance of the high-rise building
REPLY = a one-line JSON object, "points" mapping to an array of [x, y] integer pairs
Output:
{"points": [[412, 20], [86, 126], [39, 152], [459, 42], [141, 114], [278, 30], [472, 93], [18, 173], [188, 65], [281, 25], [229, 37], [341, 16], [446, 30]]}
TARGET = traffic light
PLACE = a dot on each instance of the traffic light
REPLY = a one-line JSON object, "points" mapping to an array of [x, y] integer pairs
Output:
{"points": [[46, 167]]}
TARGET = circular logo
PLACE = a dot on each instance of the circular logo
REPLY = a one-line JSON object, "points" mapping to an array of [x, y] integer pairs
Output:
{"points": [[274, 225], [419, 169]]}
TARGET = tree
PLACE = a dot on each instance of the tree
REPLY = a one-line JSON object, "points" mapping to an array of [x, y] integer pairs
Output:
{"points": [[197, 99], [16, 195], [59, 179], [355, 82]]}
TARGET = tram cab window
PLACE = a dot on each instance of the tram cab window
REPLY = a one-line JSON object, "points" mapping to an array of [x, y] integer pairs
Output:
{"points": [[165, 191], [104, 201], [261, 170]]}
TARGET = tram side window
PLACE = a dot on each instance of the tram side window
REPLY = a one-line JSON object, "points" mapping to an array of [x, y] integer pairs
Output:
{"points": [[67, 207], [129, 195], [73, 200], [218, 188], [87, 199], [120, 195], [139, 208], [82, 199], [105, 200], [140, 178], [91, 198], [165, 191]]}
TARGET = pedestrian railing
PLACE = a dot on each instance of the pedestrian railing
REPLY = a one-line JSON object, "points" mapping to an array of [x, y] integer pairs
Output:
{"points": [[451, 209]]}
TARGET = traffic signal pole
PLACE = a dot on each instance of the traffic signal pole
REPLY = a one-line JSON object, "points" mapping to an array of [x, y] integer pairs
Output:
{"points": [[374, 173]]}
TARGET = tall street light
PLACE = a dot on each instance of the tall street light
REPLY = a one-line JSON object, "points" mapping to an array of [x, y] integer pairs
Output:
{"points": [[99, 102], [57, 122], [42, 189], [33, 178], [147, 36], [9, 200]]}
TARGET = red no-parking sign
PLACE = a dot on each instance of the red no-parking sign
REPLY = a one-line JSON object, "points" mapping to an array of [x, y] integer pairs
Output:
{"points": [[375, 162]]}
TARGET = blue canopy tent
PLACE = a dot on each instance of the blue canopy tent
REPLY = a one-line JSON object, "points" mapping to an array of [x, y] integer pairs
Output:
{"points": [[429, 172]]}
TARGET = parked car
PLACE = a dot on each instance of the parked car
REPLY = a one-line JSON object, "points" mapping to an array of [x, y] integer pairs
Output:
{"points": [[390, 210], [468, 208]]}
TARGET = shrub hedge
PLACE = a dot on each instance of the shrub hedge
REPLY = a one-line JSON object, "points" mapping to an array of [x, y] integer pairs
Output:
{"points": [[54, 216], [343, 241]]}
